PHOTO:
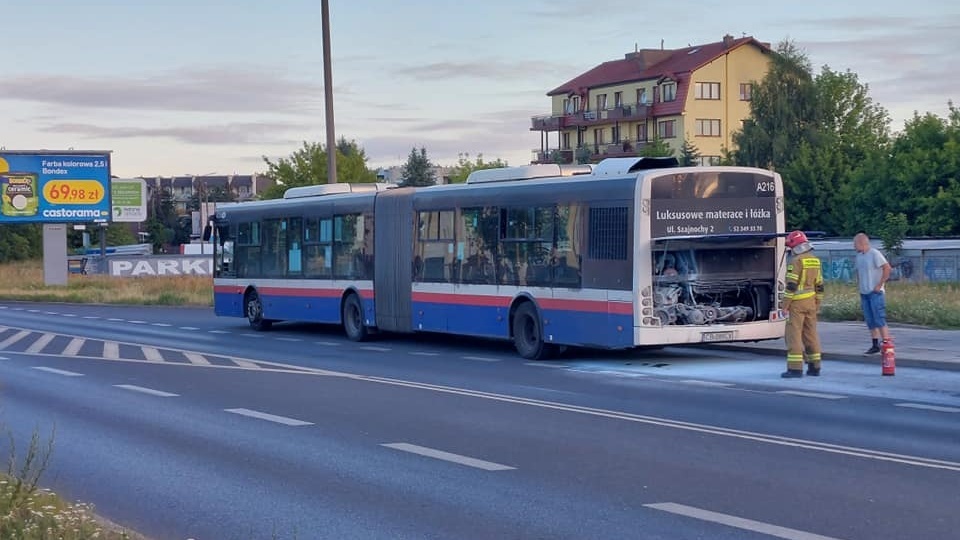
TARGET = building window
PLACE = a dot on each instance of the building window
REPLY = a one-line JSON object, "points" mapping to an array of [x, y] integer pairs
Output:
{"points": [[708, 128], [669, 91], [707, 90], [667, 129], [598, 136], [641, 96], [618, 99], [566, 141], [566, 107], [746, 91], [615, 134], [576, 104], [601, 102], [642, 132], [709, 160]]}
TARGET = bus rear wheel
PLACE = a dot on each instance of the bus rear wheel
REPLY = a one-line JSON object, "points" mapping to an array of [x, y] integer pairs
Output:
{"points": [[352, 317], [254, 309], [528, 334]]}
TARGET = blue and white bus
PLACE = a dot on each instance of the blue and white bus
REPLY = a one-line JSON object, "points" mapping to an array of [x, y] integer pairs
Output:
{"points": [[630, 252]]}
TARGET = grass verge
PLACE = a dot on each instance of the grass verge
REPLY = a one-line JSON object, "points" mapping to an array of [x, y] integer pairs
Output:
{"points": [[936, 305]]}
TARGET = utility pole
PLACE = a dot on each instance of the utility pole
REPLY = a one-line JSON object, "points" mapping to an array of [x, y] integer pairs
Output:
{"points": [[328, 96]]}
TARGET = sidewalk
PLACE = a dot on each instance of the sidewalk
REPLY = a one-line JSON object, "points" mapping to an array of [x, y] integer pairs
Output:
{"points": [[846, 341]]}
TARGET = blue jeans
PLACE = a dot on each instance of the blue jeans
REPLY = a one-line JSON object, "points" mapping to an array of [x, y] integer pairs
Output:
{"points": [[874, 307]]}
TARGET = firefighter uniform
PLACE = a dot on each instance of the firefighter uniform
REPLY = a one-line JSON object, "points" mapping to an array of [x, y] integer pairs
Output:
{"points": [[804, 293]]}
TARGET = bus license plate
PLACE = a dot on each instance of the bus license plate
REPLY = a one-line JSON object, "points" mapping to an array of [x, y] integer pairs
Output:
{"points": [[716, 336]]}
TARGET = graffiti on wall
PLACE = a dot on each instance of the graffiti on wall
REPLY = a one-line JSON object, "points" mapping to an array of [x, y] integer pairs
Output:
{"points": [[912, 269]]}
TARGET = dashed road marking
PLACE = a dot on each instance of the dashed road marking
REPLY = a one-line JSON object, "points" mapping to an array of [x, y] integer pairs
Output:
{"points": [[91, 317], [424, 353], [706, 383], [269, 417], [69, 314], [111, 350], [374, 348], [544, 364], [14, 338], [245, 363], [196, 359], [189, 328], [924, 406], [252, 334], [137, 322], [58, 371], [73, 347], [481, 359], [811, 394], [327, 343], [737, 522], [143, 390], [447, 456], [152, 354], [115, 320], [40, 343], [214, 331], [288, 339], [162, 324]]}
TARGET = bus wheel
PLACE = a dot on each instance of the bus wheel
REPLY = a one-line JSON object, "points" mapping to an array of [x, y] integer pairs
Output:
{"points": [[352, 317], [255, 312], [528, 334]]}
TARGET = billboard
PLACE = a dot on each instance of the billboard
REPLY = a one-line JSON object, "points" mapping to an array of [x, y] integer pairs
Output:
{"points": [[54, 187], [129, 200]]}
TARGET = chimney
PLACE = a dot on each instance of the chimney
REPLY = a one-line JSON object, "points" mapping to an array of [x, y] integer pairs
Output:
{"points": [[727, 41]]}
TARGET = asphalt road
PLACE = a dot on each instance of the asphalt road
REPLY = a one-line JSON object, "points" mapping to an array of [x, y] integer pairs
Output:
{"points": [[182, 425]]}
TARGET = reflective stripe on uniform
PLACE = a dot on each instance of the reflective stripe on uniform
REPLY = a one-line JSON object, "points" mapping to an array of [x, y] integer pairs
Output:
{"points": [[796, 289]]}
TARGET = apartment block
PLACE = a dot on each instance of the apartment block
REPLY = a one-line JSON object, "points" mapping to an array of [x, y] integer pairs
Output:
{"points": [[699, 93]]}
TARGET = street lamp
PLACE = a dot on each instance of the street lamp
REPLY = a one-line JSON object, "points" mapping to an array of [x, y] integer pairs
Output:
{"points": [[328, 95]]}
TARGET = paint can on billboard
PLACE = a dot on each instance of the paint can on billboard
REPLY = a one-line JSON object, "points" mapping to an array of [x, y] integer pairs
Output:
{"points": [[19, 194]]}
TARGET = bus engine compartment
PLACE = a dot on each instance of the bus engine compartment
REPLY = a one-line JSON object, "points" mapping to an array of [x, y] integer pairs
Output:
{"points": [[713, 285]]}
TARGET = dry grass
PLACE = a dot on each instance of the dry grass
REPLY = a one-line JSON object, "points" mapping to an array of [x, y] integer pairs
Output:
{"points": [[24, 281]]}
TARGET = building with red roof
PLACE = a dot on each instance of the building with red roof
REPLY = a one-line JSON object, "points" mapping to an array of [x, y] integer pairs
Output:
{"points": [[699, 93]]}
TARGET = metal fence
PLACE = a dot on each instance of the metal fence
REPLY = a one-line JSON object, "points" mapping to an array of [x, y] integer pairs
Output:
{"points": [[918, 261]]}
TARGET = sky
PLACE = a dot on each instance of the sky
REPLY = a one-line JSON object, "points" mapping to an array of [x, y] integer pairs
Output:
{"points": [[206, 87]]}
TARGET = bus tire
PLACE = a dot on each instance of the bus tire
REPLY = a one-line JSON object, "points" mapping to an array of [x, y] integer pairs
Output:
{"points": [[528, 334], [352, 317], [254, 309]]}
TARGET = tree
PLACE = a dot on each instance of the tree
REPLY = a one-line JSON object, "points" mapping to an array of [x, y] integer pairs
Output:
{"points": [[656, 148], [20, 242], [783, 111], [689, 154], [418, 171], [464, 167], [308, 166]]}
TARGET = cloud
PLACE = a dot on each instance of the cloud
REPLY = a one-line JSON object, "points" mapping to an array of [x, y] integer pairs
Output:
{"points": [[226, 134], [210, 90], [486, 69]]}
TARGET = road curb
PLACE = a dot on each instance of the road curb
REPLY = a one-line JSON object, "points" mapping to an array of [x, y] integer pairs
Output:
{"points": [[843, 357]]}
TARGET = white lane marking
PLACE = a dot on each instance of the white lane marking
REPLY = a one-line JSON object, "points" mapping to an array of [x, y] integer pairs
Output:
{"points": [[481, 359], [137, 322], [14, 338], [288, 339], [327, 343], [143, 390], [251, 334], [33, 311], [424, 353], [811, 394], [152, 354], [215, 331], [189, 328], [115, 320], [542, 364], [374, 348], [3, 358], [39, 344], [58, 371], [91, 317], [246, 363], [924, 406], [447, 456], [50, 313], [706, 383], [161, 324], [269, 417], [737, 522], [68, 314], [73, 347], [111, 350], [197, 359]]}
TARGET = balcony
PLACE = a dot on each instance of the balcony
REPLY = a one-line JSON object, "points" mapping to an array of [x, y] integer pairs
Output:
{"points": [[626, 113], [547, 122], [561, 156]]}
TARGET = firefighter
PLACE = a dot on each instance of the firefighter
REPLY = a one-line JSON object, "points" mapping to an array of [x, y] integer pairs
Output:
{"points": [[802, 303]]}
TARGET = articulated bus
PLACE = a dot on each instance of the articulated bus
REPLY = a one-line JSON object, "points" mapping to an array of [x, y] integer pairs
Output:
{"points": [[631, 252]]}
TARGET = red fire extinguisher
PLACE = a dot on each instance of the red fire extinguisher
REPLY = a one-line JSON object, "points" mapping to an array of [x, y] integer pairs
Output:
{"points": [[888, 353]]}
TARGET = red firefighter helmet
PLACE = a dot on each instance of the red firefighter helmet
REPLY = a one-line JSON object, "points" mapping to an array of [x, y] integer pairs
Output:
{"points": [[795, 238]]}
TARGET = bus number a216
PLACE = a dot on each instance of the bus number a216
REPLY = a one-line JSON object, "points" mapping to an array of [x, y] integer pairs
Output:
{"points": [[766, 186]]}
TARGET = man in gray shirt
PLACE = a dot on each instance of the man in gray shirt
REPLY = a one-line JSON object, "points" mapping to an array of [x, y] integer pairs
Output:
{"points": [[873, 271]]}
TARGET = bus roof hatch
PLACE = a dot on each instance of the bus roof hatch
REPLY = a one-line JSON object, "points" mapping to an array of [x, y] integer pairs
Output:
{"points": [[319, 190], [526, 172], [627, 165]]}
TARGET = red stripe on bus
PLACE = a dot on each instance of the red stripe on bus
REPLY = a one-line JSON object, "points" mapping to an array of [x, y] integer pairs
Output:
{"points": [[290, 291], [593, 306]]}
